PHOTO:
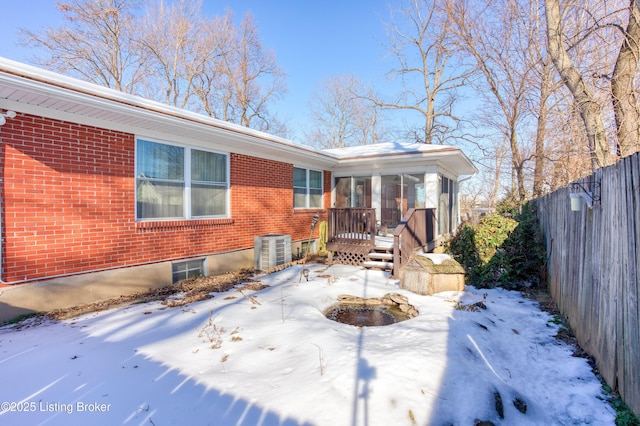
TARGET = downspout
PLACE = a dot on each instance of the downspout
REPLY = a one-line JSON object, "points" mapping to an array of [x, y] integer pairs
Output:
{"points": [[3, 119]]}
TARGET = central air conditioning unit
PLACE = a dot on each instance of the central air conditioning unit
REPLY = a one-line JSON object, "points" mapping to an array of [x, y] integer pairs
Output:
{"points": [[271, 250]]}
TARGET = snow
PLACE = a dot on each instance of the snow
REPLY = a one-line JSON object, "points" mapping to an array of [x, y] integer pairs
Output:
{"points": [[270, 357], [436, 258], [387, 148]]}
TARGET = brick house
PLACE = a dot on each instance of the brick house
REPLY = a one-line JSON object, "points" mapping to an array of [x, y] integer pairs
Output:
{"points": [[105, 193]]}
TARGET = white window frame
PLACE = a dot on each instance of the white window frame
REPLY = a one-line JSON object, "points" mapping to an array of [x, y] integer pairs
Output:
{"points": [[186, 199], [308, 189]]}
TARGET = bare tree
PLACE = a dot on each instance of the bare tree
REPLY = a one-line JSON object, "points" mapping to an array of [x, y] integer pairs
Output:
{"points": [[542, 97], [590, 109], [500, 36], [340, 116], [546, 87], [95, 44], [170, 36], [431, 73], [498, 157], [568, 160], [208, 84], [623, 90], [369, 123], [252, 79], [611, 30], [172, 54]]}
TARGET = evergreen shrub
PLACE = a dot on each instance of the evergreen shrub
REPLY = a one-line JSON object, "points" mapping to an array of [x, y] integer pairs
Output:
{"points": [[501, 251]]}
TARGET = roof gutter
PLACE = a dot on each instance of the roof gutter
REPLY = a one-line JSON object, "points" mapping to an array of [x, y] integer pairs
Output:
{"points": [[468, 177], [46, 83]]}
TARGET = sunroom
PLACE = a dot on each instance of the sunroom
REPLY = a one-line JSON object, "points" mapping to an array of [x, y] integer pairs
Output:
{"points": [[380, 190]]}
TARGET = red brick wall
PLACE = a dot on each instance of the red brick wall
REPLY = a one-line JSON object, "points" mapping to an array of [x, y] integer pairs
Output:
{"points": [[262, 200], [68, 204]]}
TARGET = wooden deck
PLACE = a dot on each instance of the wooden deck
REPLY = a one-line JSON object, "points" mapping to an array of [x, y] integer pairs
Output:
{"points": [[351, 234], [353, 238]]}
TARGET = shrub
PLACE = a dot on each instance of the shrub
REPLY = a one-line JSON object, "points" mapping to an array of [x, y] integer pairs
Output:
{"points": [[509, 205], [500, 250], [463, 247]]}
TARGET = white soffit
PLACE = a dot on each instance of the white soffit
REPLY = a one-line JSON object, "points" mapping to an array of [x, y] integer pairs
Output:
{"points": [[30, 90]]}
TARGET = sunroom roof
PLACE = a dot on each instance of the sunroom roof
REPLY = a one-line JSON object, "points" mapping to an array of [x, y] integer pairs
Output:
{"points": [[387, 148], [381, 155]]}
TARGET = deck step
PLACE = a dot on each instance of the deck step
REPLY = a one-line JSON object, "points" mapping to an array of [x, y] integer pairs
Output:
{"points": [[383, 249], [377, 264], [382, 256]]}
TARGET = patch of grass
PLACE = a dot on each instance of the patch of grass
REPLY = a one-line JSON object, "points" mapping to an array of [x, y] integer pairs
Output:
{"points": [[557, 319], [22, 317], [624, 416]]}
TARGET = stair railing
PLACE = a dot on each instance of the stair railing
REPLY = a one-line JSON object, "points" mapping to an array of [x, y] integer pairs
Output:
{"points": [[415, 232]]}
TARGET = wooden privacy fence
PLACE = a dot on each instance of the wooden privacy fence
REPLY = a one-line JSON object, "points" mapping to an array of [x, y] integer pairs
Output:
{"points": [[593, 269]]}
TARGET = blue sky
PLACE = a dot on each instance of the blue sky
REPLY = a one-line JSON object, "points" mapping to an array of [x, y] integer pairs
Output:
{"points": [[311, 39]]}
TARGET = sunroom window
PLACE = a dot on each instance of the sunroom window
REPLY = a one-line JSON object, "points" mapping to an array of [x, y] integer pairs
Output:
{"points": [[307, 188], [179, 182], [447, 206], [353, 192]]}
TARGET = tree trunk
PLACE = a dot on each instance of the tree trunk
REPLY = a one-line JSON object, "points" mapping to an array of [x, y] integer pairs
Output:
{"points": [[516, 163], [545, 90], [590, 109], [625, 102]]}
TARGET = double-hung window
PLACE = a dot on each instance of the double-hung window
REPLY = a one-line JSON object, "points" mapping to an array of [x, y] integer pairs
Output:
{"points": [[307, 188], [179, 182], [208, 184]]}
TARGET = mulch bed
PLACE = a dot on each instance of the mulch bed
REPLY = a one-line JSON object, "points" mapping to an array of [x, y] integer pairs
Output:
{"points": [[190, 290]]}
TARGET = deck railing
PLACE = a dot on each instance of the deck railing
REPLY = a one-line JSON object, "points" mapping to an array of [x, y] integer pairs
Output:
{"points": [[416, 231], [354, 230], [352, 226]]}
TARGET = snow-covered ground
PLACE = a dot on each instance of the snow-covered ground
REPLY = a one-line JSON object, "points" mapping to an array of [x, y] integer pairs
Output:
{"points": [[271, 358]]}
